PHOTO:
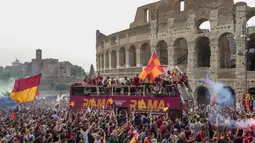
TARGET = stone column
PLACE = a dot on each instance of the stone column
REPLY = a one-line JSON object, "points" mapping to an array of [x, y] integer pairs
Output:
{"points": [[171, 59], [138, 58], [118, 58], [127, 57], [99, 62], [240, 58], [110, 60], [105, 61], [214, 59], [153, 47], [192, 59], [102, 62]]}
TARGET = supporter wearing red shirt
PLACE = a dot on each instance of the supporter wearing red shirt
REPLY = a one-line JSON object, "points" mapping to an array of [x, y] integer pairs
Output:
{"points": [[160, 121], [99, 79], [136, 80], [163, 130]]}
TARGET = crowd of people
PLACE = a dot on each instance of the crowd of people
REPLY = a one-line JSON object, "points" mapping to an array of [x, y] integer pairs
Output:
{"points": [[47, 121], [162, 85]]}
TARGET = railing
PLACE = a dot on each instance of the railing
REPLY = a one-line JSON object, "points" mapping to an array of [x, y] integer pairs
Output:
{"points": [[142, 90]]}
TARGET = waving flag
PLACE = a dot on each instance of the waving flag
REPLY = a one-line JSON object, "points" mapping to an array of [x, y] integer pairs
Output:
{"points": [[153, 69], [13, 115], [134, 139], [25, 89]]}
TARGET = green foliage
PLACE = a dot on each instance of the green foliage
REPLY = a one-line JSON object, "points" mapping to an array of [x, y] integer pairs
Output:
{"points": [[78, 71], [6, 93], [5, 76], [91, 71], [62, 87]]}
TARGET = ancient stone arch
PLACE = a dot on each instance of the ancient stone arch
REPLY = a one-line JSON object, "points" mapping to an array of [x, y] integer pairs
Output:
{"points": [[252, 91], [203, 51], [200, 22], [251, 53], [132, 56], [202, 95], [145, 54], [113, 59], [227, 50], [181, 51], [250, 14], [122, 57], [233, 94], [162, 52]]}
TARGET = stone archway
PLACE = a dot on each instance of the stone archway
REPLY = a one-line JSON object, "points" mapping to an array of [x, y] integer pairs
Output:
{"points": [[250, 19], [203, 25], [145, 54], [162, 52], [232, 94], [203, 52], [113, 59], [132, 56], [122, 57], [252, 92], [227, 50], [181, 51], [202, 95], [251, 53]]}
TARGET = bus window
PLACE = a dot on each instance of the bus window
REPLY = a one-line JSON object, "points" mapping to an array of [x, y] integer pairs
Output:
{"points": [[77, 90]]}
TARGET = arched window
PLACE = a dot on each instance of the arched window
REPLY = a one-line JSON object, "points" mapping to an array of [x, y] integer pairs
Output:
{"points": [[203, 25], [132, 56], [181, 51], [113, 59], [162, 52], [227, 50], [203, 51], [203, 95], [122, 57], [145, 54]]}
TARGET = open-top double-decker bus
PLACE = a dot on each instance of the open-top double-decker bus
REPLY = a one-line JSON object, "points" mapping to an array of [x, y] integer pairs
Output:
{"points": [[130, 98]]}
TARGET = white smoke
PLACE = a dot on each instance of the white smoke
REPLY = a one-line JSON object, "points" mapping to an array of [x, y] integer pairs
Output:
{"points": [[6, 85], [246, 123]]}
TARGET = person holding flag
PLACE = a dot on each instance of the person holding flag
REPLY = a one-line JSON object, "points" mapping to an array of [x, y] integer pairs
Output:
{"points": [[151, 71]]}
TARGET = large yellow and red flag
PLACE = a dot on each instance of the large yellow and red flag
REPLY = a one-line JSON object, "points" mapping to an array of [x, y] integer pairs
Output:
{"points": [[153, 69], [25, 89]]}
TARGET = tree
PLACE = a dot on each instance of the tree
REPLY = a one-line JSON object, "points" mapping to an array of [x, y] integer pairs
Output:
{"points": [[78, 71], [91, 71], [62, 87], [6, 93], [5, 76]]}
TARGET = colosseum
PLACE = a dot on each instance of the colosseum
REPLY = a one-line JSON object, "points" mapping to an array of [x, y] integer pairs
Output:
{"points": [[172, 29]]}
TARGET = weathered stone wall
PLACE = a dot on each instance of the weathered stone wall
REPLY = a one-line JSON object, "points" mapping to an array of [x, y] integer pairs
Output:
{"points": [[167, 24]]}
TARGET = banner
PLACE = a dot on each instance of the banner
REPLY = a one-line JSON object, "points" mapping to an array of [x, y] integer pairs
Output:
{"points": [[137, 103]]}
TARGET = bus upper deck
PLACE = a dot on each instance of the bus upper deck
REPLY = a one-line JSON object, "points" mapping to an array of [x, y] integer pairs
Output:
{"points": [[134, 98]]}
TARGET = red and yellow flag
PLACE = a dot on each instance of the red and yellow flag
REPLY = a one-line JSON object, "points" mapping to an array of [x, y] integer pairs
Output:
{"points": [[153, 68], [25, 89], [134, 139]]}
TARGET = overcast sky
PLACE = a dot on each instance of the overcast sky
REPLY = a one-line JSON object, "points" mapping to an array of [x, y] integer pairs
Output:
{"points": [[63, 29]]}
